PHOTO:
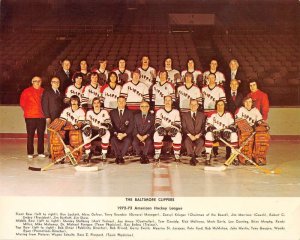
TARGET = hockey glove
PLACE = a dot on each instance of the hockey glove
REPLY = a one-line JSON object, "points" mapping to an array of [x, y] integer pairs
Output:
{"points": [[232, 127], [173, 131], [211, 128], [161, 131], [216, 134], [87, 130], [106, 125], [102, 131], [226, 134]]}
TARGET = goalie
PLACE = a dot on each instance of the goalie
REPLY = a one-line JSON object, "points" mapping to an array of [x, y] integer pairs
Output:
{"points": [[100, 123], [167, 123], [68, 126], [220, 124], [257, 148]]}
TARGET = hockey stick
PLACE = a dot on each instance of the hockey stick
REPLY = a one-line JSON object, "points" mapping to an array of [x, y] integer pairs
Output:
{"points": [[238, 152], [230, 159], [78, 168]]}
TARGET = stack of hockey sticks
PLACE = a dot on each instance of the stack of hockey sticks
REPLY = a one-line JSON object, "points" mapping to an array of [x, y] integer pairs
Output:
{"points": [[69, 154]]}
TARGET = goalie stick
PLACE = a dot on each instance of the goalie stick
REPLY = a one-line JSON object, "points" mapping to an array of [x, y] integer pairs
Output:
{"points": [[237, 151], [230, 159], [77, 167]]}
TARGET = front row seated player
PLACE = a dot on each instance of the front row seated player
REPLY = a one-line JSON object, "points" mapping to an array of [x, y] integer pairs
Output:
{"points": [[167, 123], [68, 126], [99, 123], [256, 148], [220, 124]]}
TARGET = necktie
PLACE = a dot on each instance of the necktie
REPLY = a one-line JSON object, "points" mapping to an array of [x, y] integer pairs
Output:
{"points": [[144, 118], [121, 113], [68, 73], [233, 96], [232, 75], [194, 118], [57, 92]]}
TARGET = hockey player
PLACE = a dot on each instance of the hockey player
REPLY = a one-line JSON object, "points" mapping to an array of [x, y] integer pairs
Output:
{"points": [[173, 74], [219, 124], [148, 74], [161, 89], [167, 122], [197, 74], [261, 100], [262, 137], [91, 91], [135, 92], [71, 120], [74, 89], [211, 94], [102, 72], [187, 92], [110, 92], [220, 78], [124, 75], [100, 123]]}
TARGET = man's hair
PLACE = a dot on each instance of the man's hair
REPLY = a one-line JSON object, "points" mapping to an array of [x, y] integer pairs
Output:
{"points": [[95, 99], [76, 75], [167, 97], [212, 74], [75, 97], [94, 74], [220, 100], [188, 74], [112, 73]]}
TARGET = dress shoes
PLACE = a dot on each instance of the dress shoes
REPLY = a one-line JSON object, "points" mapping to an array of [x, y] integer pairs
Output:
{"points": [[117, 160], [121, 160], [193, 161]]}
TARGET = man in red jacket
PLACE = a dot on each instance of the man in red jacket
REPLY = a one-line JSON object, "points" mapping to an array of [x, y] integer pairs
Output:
{"points": [[30, 102], [261, 100]]}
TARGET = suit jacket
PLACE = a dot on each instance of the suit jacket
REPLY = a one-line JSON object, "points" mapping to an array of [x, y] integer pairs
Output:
{"points": [[144, 127], [124, 124], [65, 80], [188, 124], [243, 86], [52, 104], [232, 105]]}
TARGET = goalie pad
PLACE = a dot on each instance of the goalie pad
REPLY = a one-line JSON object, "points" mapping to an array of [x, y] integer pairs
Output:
{"points": [[56, 146], [261, 145], [69, 126], [244, 132], [76, 140], [57, 124]]}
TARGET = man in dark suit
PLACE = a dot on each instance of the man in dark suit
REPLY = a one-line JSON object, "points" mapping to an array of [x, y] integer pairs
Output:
{"points": [[52, 103], [234, 97], [193, 127], [64, 74], [123, 124], [143, 132], [235, 73]]}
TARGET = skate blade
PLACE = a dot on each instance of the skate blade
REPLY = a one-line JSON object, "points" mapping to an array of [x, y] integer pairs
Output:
{"points": [[86, 168]]}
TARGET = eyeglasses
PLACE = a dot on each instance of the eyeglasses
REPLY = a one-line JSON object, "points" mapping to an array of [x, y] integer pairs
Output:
{"points": [[55, 82], [144, 106], [36, 81]]}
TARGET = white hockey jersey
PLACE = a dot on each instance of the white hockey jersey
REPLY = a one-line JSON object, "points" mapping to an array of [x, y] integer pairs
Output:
{"points": [[134, 94], [171, 76], [196, 75], [97, 118], [73, 90], [251, 116], [109, 96], [220, 121], [89, 93], [160, 91], [185, 95], [147, 76], [123, 77], [73, 116], [210, 96], [220, 78], [167, 119]]}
